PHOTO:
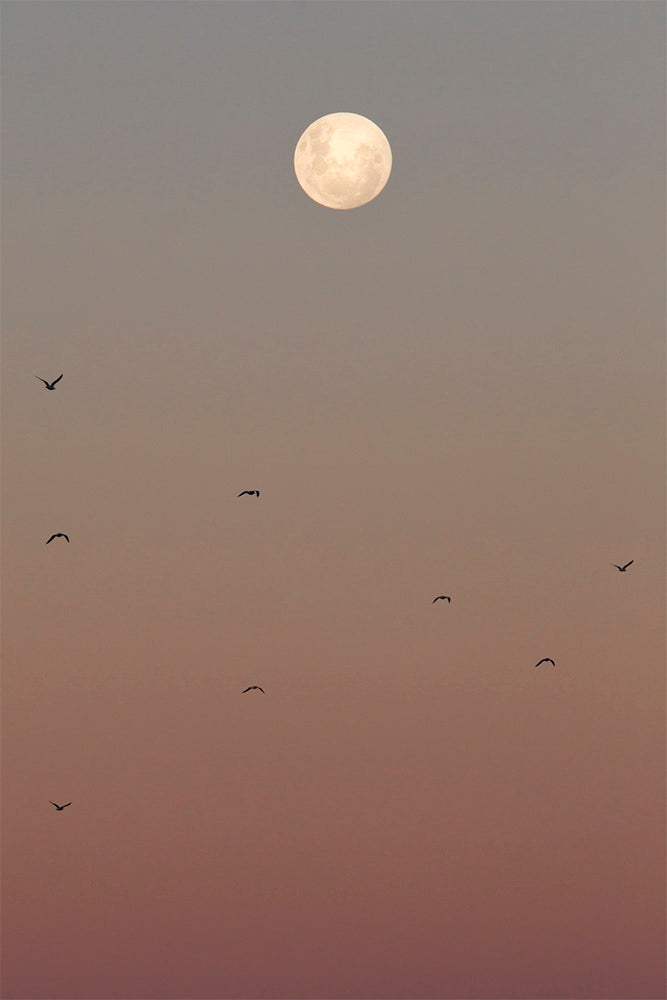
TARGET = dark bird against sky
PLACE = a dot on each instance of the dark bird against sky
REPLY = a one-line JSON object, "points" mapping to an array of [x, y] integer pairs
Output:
{"points": [[441, 597], [60, 808], [545, 659], [622, 569], [250, 493], [254, 687], [49, 385], [59, 534]]}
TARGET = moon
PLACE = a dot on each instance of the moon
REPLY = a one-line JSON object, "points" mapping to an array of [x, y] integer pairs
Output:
{"points": [[342, 160]]}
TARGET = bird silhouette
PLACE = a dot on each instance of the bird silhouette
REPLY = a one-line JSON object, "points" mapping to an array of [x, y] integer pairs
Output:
{"points": [[545, 659], [254, 687], [442, 597], [59, 534], [622, 569], [249, 493], [49, 385], [60, 808]]}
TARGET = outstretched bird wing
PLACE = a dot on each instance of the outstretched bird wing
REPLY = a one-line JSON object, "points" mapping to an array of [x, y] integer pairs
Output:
{"points": [[54, 804], [628, 564], [57, 379], [66, 805], [45, 383], [50, 540]]}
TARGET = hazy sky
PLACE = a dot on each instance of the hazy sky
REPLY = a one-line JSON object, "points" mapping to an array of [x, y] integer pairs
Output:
{"points": [[456, 389]]}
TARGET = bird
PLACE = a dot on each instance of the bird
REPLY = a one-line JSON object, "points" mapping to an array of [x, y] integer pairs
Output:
{"points": [[622, 569], [546, 659], [60, 808], [250, 493], [59, 534], [254, 687], [442, 597], [49, 385]]}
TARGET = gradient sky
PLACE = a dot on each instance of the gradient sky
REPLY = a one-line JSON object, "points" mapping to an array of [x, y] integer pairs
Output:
{"points": [[455, 389]]}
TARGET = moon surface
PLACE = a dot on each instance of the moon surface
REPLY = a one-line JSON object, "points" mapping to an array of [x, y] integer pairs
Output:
{"points": [[342, 160]]}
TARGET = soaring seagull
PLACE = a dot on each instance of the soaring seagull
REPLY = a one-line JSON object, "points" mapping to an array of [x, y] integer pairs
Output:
{"points": [[442, 597], [546, 659], [622, 569], [249, 493], [59, 534], [60, 808], [254, 687], [50, 385]]}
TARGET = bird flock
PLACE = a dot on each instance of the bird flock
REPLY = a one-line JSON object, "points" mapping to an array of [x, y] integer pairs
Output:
{"points": [[255, 493]]}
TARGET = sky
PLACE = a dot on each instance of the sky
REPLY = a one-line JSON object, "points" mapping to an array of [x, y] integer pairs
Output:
{"points": [[457, 388]]}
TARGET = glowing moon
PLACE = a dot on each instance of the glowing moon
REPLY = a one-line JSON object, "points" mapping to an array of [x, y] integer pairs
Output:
{"points": [[342, 160]]}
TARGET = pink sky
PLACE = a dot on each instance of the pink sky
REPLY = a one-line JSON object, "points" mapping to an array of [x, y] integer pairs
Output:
{"points": [[455, 389]]}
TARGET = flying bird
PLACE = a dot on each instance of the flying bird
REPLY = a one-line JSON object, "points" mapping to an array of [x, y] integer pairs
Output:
{"points": [[546, 659], [59, 534], [442, 597], [49, 385], [249, 493], [254, 687], [60, 808], [622, 569]]}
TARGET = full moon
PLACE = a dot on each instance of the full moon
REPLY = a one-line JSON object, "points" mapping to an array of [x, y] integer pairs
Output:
{"points": [[342, 160]]}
